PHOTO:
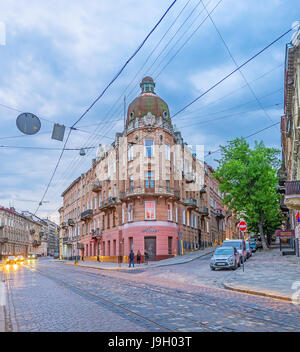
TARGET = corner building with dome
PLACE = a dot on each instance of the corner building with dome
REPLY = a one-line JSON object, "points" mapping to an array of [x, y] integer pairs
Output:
{"points": [[145, 191]]}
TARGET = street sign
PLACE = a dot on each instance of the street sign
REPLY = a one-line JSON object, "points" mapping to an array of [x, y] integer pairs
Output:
{"points": [[243, 226], [28, 123]]}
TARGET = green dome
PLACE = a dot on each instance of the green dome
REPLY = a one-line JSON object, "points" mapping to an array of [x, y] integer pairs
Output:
{"points": [[147, 101]]}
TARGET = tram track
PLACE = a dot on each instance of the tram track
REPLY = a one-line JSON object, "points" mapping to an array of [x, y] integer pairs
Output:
{"points": [[179, 295]]}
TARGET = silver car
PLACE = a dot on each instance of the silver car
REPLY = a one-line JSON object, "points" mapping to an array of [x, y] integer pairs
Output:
{"points": [[225, 257], [249, 249], [240, 245]]}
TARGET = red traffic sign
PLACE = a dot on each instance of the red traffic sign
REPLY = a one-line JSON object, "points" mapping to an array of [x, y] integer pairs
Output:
{"points": [[243, 226]]}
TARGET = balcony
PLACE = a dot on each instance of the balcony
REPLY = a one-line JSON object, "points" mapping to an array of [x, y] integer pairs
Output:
{"points": [[189, 177], [36, 243], [292, 194], [203, 190], [71, 222], [111, 202], [191, 202], [67, 240], [64, 225], [96, 234], [156, 191], [97, 186], [219, 213], [283, 206], [3, 239], [88, 214], [32, 231], [203, 210]]}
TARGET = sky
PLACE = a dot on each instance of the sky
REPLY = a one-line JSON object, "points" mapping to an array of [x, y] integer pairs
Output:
{"points": [[57, 57]]}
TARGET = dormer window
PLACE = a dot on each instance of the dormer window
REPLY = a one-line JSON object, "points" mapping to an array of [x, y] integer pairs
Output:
{"points": [[131, 115], [165, 114]]}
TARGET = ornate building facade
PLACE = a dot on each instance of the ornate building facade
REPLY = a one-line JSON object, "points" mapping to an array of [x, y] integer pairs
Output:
{"points": [[146, 191]]}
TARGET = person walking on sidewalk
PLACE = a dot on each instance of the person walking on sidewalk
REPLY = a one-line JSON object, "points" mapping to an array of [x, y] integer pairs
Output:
{"points": [[138, 257], [146, 255], [131, 258]]}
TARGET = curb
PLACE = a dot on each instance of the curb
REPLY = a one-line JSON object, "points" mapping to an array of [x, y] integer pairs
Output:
{"points": [[149, 267], [257, 293], [2, 319]]}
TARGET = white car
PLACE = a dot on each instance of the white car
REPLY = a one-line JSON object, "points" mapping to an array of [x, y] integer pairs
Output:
{"points": [[240, 245]]}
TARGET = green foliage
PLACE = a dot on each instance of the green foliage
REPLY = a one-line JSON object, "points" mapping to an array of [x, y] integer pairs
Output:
{"points": [[248, 178]]}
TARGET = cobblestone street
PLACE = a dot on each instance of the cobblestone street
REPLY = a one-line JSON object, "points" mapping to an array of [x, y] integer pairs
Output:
{"points": [[51, 296]]}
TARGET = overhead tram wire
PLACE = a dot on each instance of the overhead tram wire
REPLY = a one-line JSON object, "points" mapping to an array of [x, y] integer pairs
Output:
{"points": [[235, 62], [186, 41], [102, 93], [250, 135], [248, 61], [232, 72], [40, 148], [224, 78], [148, 60]]}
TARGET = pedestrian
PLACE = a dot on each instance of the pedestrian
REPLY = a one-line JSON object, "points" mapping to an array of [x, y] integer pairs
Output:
{"points": [[138, 257], [146, 255], [131, 258]]}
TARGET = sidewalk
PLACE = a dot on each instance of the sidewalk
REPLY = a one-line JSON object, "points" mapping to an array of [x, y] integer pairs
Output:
{"points": [[171, 261], [270, 274]]}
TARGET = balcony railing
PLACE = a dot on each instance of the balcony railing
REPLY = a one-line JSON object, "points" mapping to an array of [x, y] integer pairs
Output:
{"points": [[203, 210], [87, 214], [191, 202], [71, 222], [203, 190], [36, 243], [3, 239], [97, 186], [64, 225], [219, 213], [96, 234], [292, 187], [32, 231], [189, 177], [139, 191]]}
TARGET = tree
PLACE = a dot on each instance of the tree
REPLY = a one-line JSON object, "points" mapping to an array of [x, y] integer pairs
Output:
{"points": [[248, 179]]}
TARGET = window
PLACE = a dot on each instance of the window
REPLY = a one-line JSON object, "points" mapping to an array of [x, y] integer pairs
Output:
{"points": [[167, 150], [168, 185], [148, 148], [130, 212], [149, 180], [150, 210], [183, 216], [130, 152], [131, 182], [170, 211], [83, 208], [176, 214], [123, 215], [95, 203]]}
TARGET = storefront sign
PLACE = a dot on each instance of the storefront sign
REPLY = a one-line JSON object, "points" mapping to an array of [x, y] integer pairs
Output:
{"points": [[150, 230], [285, 234]]}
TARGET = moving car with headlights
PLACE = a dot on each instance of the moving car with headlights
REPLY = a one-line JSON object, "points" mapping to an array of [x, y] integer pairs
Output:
{"points": [[11, 259], [31, 256], [225, 257], [20, 258], [240, 245]]}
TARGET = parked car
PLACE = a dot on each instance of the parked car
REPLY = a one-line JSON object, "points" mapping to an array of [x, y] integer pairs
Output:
{"points": [[253, 245], [239, 245], [20, 258], [55, 255], [225, 257], [249, 250], [31, 256], [11, 259]]}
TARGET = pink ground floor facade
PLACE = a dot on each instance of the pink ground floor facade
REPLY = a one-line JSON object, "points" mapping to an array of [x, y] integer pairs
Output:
{"points": [[159, 238]]}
